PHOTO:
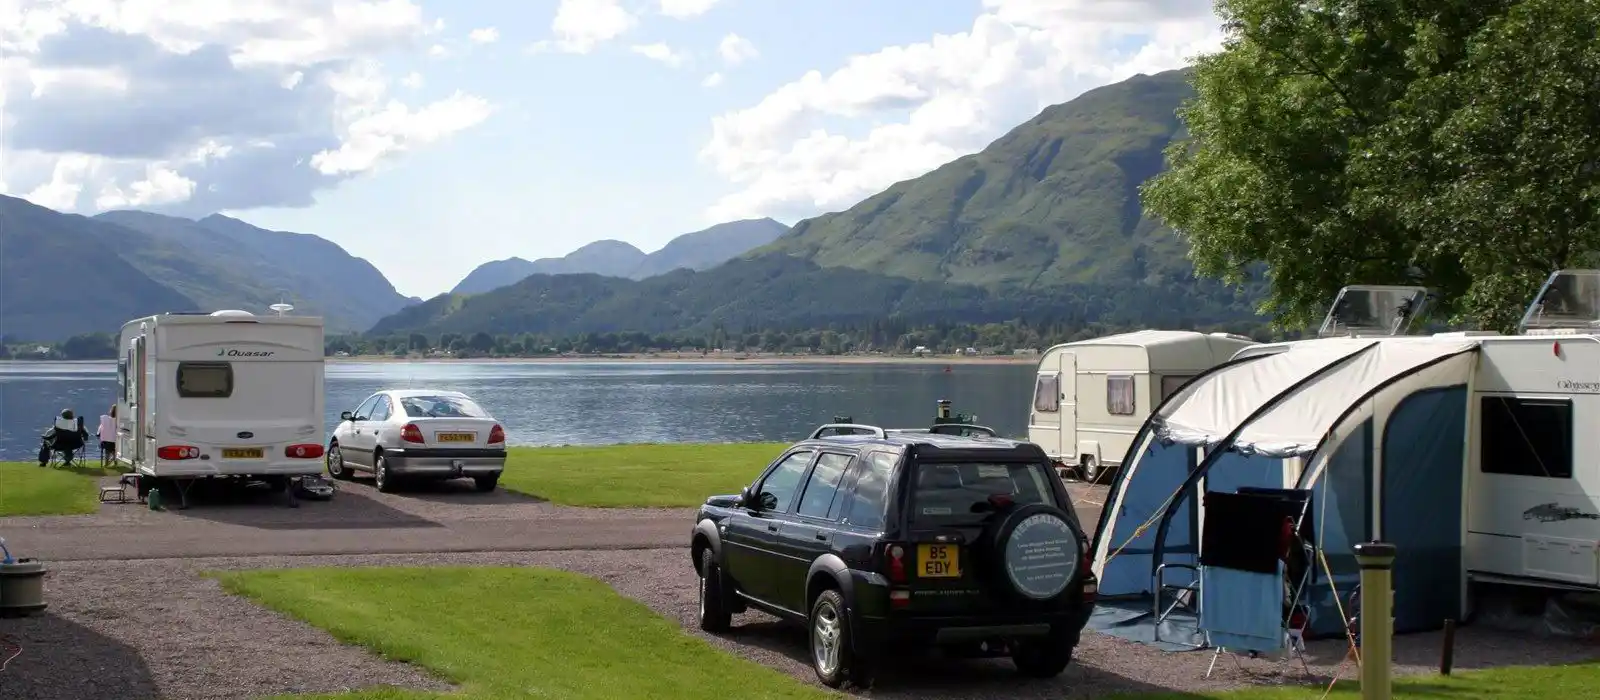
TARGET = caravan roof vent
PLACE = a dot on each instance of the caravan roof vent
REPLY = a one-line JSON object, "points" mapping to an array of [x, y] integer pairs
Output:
{"points": [[1231, 336], [1569, 299], [281, 308], [232, 313], [1375, 309]]}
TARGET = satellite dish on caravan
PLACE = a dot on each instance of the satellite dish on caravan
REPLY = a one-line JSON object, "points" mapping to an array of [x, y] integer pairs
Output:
{"points": [[282, 308]]}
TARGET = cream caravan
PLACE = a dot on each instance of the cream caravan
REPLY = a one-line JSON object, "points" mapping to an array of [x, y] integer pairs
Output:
{"points": [[1473, 453], [227, 394], [1091, 396]]}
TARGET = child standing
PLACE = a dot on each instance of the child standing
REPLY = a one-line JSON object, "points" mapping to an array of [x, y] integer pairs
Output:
{"points": [[108, 436]]}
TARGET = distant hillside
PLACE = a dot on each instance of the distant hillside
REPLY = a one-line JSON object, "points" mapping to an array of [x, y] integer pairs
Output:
{"points": [[58, 277], [779, 291], [695, 251], [1044, 225], [1054, 201], [711, 247], [258, 267]]}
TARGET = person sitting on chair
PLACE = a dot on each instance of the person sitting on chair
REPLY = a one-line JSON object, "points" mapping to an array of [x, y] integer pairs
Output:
{"points": [[66, 437]]}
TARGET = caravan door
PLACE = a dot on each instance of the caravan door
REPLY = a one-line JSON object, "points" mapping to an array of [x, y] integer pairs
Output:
{"points": [[1053, 418], [1069, 406]]}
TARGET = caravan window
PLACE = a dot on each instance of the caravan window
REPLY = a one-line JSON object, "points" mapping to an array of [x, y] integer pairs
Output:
{"points": [[1170, 385], [1526, 437], [122, 378], [1119, 395], [205, 380], [1047, 393]]}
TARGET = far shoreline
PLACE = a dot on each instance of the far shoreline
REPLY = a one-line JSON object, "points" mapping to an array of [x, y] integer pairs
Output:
{"points": [[753, 358]]}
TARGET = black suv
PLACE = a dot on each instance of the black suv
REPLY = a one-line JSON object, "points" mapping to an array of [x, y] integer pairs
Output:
{"points": [[887, 539]]}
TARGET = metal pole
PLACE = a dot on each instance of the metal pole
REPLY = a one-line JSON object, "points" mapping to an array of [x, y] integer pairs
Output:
{"points": [[1377, 618]]}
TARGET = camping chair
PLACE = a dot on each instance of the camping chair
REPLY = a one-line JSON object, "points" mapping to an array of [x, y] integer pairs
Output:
{"points": [[1245, 607], [64, 447]]}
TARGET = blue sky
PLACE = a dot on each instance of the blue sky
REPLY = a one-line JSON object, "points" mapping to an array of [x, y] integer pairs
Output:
{"points": [[556, 133]]}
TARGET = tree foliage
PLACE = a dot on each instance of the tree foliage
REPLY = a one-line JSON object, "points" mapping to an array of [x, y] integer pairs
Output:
{"points": [[1451, 143]]}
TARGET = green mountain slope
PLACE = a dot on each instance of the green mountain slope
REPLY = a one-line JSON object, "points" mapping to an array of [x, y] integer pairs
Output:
{"points": [[1054, 201], [221, 262], [59, 277]]}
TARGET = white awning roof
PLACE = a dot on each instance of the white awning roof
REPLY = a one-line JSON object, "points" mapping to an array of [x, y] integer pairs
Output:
{"points": [[1218, 404]]}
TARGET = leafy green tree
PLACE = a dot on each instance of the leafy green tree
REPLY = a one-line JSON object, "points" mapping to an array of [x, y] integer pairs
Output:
{"points": [[1444, 142]]}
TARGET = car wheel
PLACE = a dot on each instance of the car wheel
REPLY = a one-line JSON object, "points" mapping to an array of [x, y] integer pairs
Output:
{"points": [[714, 615], [486, 483], [831, 656], [381, 477], [1042, 658], [336, 463]]}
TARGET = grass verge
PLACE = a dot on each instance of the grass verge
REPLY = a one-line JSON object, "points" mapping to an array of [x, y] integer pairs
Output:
{"points": [[509, 632], [28, 489], [621, 476], [1511, 683]]}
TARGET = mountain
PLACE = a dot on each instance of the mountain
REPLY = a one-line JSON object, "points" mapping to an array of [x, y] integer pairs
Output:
{"points": [[711, 247], [1054, 201], [695, 251], [59, 277], [1045, 224], [259, 267], [781, 291]]}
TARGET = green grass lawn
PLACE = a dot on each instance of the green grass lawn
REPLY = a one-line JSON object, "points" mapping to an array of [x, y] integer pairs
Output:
{"points": [[1511, 683], [616, 476], [503, 632], [27, 489]]}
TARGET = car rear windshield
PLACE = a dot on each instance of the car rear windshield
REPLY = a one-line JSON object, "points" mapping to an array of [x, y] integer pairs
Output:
{"points": [[948, 492], [442, 407]]}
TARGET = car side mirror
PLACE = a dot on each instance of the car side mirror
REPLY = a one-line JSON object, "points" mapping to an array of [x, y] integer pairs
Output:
{"points": [[347, 416], [747, 499]]}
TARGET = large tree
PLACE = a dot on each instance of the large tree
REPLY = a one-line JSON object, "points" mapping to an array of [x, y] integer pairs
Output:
{"points": [[1451, 143]]}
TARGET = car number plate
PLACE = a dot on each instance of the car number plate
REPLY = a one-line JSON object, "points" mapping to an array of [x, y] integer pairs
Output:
{"points": [[242, 453], [939, 560], [455, 437]]}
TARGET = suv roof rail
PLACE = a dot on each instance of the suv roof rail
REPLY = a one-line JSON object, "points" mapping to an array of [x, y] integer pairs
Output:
{"points": [[961, 429], [849, 429]]}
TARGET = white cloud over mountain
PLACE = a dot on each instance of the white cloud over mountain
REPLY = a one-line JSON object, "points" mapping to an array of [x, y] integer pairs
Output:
{"points": [[195, 106], [930, 102]]}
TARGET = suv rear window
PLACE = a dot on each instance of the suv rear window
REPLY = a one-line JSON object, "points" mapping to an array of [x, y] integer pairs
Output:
{"points": [[947, 491]]}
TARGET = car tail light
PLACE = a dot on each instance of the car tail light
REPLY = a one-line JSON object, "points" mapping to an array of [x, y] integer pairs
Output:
{"points": [[1091, 585], [177, 452], [895, 558], [411, 433], [306, 451], [497, 435]]}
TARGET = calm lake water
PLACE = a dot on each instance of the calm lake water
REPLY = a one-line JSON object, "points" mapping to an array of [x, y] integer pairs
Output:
{"points": [[597, 403]]}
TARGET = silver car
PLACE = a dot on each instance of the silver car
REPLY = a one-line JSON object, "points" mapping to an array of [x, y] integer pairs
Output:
{"points": [[401, 435]]}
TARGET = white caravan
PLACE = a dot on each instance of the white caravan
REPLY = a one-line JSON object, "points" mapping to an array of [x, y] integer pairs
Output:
{"points": [[1476, 454], [220, 395], [1091, 396]]}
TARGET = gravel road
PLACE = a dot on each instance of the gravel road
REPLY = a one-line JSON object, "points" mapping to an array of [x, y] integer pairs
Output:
{"points": [[196, 642]]}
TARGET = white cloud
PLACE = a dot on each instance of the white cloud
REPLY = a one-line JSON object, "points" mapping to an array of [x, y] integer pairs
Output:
{"points": [[712, 80], [193, 106], [484, 35], [581, 25], [686, 8], [660, 52], [736, 49], [933, 101], [413, 80], [439, 51]]}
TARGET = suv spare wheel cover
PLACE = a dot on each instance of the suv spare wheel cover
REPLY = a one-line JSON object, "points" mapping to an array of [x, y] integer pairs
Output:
{"points": [[1041, 555]]}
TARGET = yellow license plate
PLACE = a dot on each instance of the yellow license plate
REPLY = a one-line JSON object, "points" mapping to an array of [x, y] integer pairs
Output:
{"points": [[938, 560], [243, 453], [455, 437]]}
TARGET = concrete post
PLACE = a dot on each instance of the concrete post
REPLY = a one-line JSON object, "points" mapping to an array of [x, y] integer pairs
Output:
{"points": [[1377, 618]]}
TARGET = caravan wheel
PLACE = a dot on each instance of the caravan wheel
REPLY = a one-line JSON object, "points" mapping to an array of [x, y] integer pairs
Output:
{"points": [[1089, 468]]}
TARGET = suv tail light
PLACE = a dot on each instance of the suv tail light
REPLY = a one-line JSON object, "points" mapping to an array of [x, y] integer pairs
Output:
{"points": [[411, 433], [497, 435], [895, 557], [1091, 585], [305, 451], [177, 452]]}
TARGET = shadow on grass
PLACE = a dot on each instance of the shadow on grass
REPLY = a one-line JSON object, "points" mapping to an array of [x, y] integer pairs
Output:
{"points": [[63, 660]]}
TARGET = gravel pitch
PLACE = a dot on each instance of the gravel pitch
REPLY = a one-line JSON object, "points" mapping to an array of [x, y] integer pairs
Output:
{"points": [[197, 642]]}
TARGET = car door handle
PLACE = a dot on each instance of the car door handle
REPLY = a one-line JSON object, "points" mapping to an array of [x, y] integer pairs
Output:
{"points": [[822, 537], [772, 527]]}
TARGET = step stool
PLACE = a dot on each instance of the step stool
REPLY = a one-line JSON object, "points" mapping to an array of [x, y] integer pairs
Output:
{"points": [[119, 493]]}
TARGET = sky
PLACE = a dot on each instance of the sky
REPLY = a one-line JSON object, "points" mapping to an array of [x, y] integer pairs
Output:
{"points": [[429, 137]]}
